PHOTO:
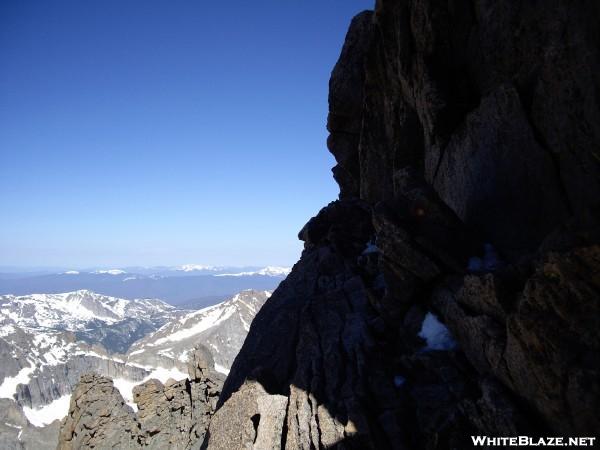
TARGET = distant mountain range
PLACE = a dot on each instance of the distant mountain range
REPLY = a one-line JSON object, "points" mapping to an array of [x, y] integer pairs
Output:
{"points": [[191, 285], [47, 341]]}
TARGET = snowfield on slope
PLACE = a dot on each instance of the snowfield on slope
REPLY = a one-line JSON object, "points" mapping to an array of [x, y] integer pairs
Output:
{"points": [[74, 310], [222, 328]]}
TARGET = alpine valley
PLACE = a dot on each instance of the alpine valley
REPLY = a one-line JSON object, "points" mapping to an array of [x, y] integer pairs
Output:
{"points": [[48, 341]]}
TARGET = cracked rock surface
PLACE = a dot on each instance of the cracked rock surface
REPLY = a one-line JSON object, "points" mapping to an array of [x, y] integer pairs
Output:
{"points": [[466, 136]]}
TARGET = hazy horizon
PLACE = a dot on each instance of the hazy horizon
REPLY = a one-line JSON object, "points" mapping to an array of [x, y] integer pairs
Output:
{"points": [[8, 268]]}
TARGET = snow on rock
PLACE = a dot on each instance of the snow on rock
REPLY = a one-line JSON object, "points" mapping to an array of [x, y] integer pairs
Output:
{"points": [[371, 248], [8, 388], [212, 316], [5, 330], [161, 374], [220, 368], [184, 356], [436, 334], [47, 414]]}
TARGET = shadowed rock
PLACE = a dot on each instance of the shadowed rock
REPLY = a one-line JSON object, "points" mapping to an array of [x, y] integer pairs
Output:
{"points": [[466, 137]]}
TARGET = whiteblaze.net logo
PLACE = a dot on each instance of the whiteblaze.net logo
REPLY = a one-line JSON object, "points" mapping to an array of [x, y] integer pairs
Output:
{"points": [[528, 441]]}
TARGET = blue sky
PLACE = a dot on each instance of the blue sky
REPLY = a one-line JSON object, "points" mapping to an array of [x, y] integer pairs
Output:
{"points": [[164, 132]]}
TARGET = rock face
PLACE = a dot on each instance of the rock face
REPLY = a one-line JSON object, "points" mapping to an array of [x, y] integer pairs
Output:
{"points": [[16, 433], [99, 417], [174, 415], [454, 288]]}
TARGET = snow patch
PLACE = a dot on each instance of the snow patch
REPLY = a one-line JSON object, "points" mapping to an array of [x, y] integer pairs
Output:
{"points": [[436, 334], [220, 368], [184, 356], [47, 414], [125, 387], [98, 355], [161, 374], [371, 248], [214, 316], [8, 388], [5, 330]]}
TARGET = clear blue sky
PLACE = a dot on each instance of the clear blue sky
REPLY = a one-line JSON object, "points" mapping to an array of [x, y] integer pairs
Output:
{"points": [[164, 132]]}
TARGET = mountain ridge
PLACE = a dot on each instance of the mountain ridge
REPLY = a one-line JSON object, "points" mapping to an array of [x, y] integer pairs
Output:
{"points": [[173, 286], [49, 340]]}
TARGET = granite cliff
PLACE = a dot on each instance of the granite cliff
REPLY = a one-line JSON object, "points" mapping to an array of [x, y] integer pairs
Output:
{"points": [[454, 287]]}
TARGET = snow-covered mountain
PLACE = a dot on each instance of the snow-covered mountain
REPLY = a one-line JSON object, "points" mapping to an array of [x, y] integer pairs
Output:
{"points": [[219, 271], [47, 341], [197, 268], [77, 311], [269, 271], [109, 271], [222, 328]]}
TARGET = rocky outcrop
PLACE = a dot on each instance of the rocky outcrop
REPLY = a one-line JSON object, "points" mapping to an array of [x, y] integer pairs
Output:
{"points": [[251, 419], [174, 415], [99, 418], [453, 289]]}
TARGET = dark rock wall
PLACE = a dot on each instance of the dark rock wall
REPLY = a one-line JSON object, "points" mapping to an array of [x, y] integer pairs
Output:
{"points": [[494, 103], [467, 141]]}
